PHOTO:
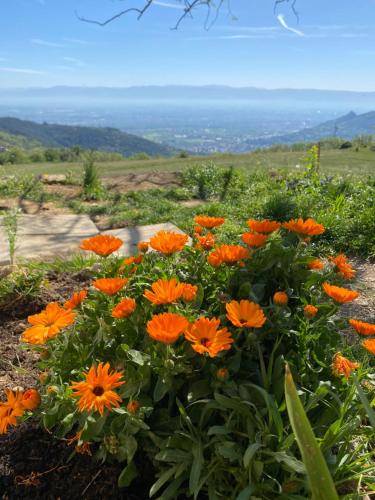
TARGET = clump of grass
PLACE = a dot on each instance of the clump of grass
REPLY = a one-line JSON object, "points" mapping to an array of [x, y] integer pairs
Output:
{"points": [[92, 187]]}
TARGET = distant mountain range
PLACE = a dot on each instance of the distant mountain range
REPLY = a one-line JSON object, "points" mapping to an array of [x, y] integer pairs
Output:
{"points": [[346, 127], [100, 139], [207, 92]]}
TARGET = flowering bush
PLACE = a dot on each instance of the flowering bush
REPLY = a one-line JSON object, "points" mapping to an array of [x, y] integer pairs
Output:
{"points": [[178, 354]]}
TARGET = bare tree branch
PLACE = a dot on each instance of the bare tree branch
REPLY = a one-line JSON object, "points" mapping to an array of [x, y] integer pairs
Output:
{"points": [[189, 7]]}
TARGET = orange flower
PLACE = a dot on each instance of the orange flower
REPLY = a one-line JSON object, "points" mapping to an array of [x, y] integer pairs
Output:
{"points": [[206, 338], [343, 266], [308, 227], [341, 295], [189, 292], [124, 308], [166, 327], [198, 230], [315, 264], [31, 399], [310, 311], [205, 242], [130, 261], [102, 244], [96, 392], [228, 254], [369, 345], [110, 286], [263, 226], [343, 366], [209, 222], [47, 324], [222, 373], [280, 298], [254, 239], [168, 242], [10, 410], [143, 246], [133, 406], [245, 313], [76, 299], [164, 292], [362, 327]]}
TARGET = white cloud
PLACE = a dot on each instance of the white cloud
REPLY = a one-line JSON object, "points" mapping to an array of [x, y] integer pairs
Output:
{"points": [[38, 41], [73, 60], [76, 40], [21, 70], [284, 24], [168, 5]]}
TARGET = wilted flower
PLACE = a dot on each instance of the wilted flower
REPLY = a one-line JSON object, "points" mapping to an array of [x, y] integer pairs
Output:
{"points": [[143, 246], [10, 410], [133, 406], [189, 292], [343, 366], [205, 242], [343, 266]]}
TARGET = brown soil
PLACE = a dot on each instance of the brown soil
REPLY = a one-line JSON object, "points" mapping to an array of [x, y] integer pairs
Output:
{"points": [[142, 182], [33, 464]]}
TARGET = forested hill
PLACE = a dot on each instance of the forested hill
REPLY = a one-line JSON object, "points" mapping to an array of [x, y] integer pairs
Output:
{"points": [[101, 139]]}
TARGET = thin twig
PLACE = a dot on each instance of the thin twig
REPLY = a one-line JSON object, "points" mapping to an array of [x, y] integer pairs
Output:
{"points": [[92, 480]]}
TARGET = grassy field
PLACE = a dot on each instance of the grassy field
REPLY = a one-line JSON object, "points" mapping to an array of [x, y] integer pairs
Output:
{"points": [[333, 161]]}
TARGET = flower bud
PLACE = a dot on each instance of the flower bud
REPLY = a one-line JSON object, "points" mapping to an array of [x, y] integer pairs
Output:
{"points": [[222, 374], [280, 298]]}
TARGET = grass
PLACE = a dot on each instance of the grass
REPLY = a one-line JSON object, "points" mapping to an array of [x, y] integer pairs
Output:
{"points": [[333, 161]]}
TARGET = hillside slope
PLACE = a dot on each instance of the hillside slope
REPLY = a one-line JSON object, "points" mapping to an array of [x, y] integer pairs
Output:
{"points": [[346, 127], [102, 139]]}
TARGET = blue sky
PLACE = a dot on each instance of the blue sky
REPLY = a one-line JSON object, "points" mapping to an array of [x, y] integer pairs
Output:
{"points": [[42, 43]]}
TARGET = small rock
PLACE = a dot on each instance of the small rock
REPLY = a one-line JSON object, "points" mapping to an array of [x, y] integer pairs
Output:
{"points": [[53, 178]]}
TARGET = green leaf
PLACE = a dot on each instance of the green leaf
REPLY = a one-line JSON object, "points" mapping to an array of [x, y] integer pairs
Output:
{"points": [[246, 493], [162, 480], [160, 390], [250, 453], [137, 357], [364, 401], [127, 475], [320, 479], [196, 469]]}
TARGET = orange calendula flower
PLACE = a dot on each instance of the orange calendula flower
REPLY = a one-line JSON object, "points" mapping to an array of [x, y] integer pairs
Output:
{"points": [[76, 299], [206, 337], [362, 327], [315, 265], [254, 239], [96, 391], [245, 314], [343, 366], [310, 311], [133, 406], [343, 266], [48, 323], [308, 227], [280, 298], [167, 327], [222, 373], [205, 242], [167, 242], [165, 291], [339, 294], [369, 345], [198, 230], [227, 254], [189, 292], [102, 244], [110, 286], [143, 246], [10, 410], [130, 261], [263, 226], [124, 308], [31, 399], [209, 222]]}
